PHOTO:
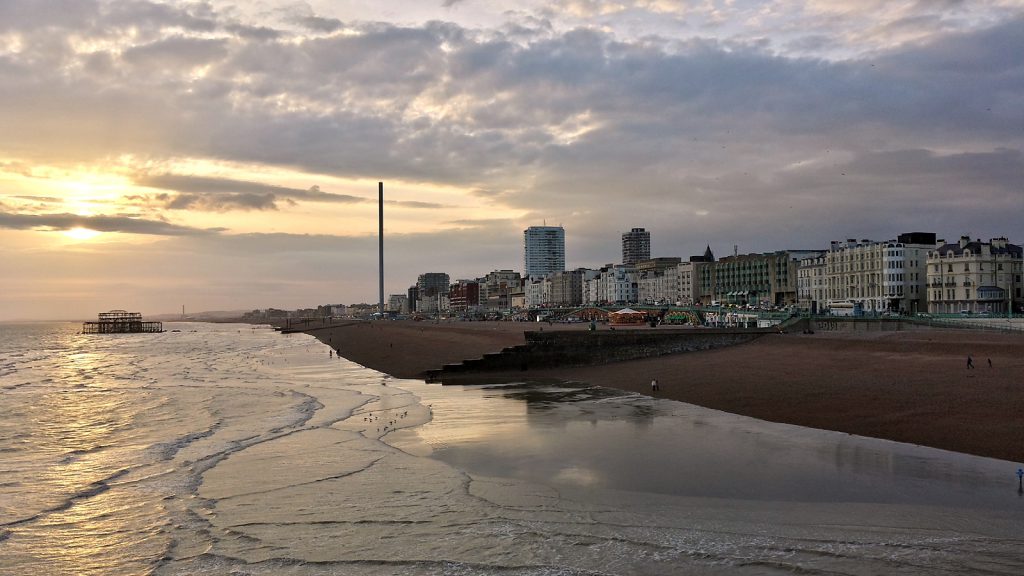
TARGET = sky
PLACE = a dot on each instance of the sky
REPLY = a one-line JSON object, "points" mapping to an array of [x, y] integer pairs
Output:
{"points": [[225, 155]]}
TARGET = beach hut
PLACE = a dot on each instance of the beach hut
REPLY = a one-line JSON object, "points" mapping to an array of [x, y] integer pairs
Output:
{"points": [[627, 317]]}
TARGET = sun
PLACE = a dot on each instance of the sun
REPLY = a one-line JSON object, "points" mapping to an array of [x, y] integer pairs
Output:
{"points": [[81, 234]]}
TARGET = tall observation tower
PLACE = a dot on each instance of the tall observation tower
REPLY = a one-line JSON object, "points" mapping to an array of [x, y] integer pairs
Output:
{"points": [[380, 236]]}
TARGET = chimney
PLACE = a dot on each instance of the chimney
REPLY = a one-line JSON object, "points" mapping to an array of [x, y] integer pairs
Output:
{"points": [[964, 241]]}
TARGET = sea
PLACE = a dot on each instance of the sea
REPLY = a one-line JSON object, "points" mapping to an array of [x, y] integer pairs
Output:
{"points": [[233, 449]]}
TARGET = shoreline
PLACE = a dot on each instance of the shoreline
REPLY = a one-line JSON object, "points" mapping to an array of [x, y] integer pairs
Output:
{"points": [[908, 386]]}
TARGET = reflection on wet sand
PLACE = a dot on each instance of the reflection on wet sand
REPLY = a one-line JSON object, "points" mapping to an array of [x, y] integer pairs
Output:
{"points": [[543, 432]]}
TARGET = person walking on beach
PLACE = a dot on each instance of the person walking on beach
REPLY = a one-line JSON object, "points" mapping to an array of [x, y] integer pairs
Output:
{"points": [[654, 385], [970, 362]]}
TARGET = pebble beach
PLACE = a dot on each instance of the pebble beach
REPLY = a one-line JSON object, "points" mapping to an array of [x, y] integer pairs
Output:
{"points": [[909, 386]]}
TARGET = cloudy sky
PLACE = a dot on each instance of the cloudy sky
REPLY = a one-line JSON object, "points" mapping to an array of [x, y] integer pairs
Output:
{"points": [[225, 155]]}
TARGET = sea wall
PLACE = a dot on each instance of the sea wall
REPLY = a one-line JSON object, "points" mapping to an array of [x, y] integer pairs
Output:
{"points": [[577, 348], [858, 325]]}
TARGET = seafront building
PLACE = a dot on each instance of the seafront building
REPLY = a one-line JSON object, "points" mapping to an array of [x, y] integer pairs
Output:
{"points": [[658, 280], [685, 282], [688, 277], [910, 274], [543, 250], [464, 296], [496, 288], [432, 292], [536, 291], [566, 288], [613, 284], [767, 279], [879, 276], [398, 303], [812, 286], [517, 297], [975, 277], [413, 296], [636, 246]]}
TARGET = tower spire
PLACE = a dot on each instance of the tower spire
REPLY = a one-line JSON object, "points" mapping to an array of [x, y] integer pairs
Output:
{"points": [[380, 235]]}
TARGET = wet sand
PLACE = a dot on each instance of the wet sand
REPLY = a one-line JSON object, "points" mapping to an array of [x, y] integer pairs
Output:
{"points": [[910, 386]]}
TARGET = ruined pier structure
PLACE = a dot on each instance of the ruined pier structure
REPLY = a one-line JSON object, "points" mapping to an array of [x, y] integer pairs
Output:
{"points": [[121, 322]]}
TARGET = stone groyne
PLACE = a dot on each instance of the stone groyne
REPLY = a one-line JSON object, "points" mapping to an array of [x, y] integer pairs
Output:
{"points": [[555, 349]]}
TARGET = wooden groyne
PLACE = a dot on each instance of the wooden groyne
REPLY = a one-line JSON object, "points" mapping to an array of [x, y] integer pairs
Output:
{"points": [[576, 348]]}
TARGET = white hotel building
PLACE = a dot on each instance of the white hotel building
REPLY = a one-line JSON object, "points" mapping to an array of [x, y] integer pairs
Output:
{"points": [[975, 277], [880, 276]]}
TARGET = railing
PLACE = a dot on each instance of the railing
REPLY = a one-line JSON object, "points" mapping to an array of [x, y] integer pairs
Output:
{"points": [[994, 323]]}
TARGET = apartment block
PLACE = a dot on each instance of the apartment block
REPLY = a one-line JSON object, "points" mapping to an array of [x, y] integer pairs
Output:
{"points": [[543, 250], [636, 246]]}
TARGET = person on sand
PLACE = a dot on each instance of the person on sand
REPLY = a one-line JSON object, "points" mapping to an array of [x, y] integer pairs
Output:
{"points": [[970, 362], [654, 385]]}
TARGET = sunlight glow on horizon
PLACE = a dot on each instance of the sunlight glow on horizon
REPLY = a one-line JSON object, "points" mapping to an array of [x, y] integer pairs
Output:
{"points": [[81, 234], [118, 187]]}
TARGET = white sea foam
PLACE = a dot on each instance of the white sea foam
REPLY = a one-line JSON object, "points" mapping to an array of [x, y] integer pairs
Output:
{"points": [[227, 449]]}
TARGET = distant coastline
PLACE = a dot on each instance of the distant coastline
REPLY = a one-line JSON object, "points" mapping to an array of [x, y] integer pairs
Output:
{"points": [[908, 386]]}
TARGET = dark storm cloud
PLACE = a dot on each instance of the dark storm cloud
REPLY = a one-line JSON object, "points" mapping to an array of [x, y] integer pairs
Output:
{"points": [[100, 224]]}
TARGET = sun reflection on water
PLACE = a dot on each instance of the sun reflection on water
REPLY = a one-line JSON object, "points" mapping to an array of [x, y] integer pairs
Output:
{"points": [[85, 437]]}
